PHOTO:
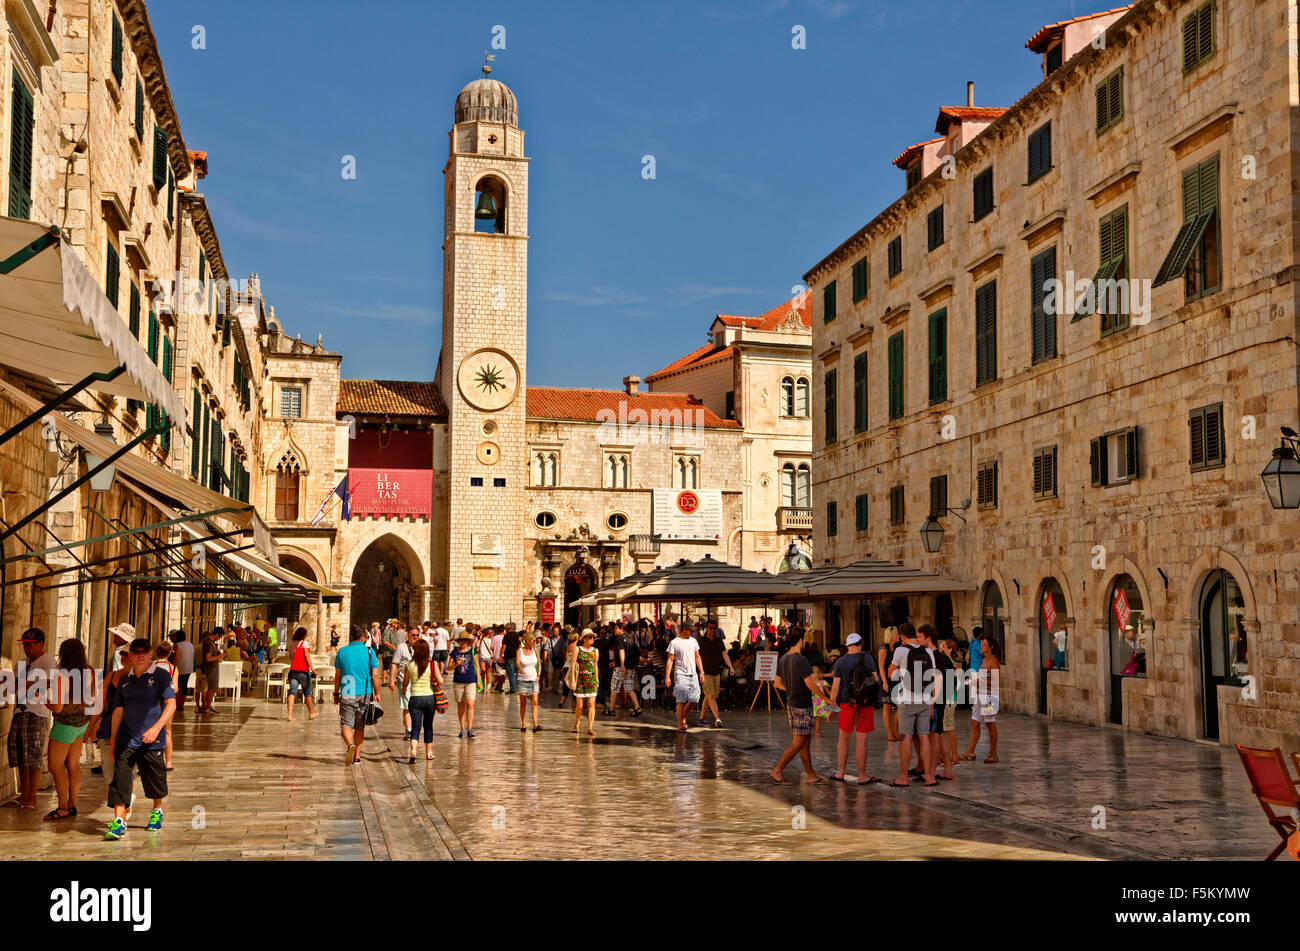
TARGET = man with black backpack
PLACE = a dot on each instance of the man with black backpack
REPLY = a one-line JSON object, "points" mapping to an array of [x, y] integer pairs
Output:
{"points": [[626, 655], [856, 688], [913, 668]]}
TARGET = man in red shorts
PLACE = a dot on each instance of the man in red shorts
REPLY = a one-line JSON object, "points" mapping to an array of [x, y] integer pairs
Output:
{"points": [[854, 676]]}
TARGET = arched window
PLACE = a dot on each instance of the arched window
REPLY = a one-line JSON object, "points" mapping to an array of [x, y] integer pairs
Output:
{"points": [[616, 470], [288, 475], [688, 472], [801, 396], [1129, 629], [994, 613], [787, 396], [545, 468], [490, 207], [796, 484]]}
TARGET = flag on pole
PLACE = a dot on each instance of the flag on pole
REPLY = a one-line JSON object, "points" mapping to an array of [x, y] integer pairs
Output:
{"points": [[340, 490]]}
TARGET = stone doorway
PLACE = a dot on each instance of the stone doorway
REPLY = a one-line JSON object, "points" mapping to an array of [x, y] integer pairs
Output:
{"points": [[579, 580], [386, 583]]}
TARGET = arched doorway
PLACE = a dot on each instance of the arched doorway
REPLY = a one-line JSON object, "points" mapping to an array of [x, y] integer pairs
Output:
{"points": [[993, 614], [295, 613], [580, 579], [386, 582], [1223, 642], [1129, 630], [1053, 648]]}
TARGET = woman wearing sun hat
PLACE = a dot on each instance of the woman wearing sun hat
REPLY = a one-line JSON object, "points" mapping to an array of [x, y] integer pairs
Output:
{"points": [[464, 681], [587, 682]]}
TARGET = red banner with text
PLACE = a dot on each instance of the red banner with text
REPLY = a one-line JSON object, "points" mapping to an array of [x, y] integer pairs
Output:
{"points": [[391, 492]]}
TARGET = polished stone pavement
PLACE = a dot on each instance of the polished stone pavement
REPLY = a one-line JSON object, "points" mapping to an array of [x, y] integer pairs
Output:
{"points": [[249, 785]]}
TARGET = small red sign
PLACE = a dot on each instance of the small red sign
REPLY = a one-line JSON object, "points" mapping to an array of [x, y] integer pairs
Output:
{"points": [[548, 610], [687, 502], [1121, 608], [1049, 611]]}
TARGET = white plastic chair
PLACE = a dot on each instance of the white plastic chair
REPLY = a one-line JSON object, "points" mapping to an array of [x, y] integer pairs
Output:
{"points": [[232, 671], [277, 675], [324, 681]]}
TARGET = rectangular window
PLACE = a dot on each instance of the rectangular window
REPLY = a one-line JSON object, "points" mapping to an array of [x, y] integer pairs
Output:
{"points": [[986, 333], [938, 354], [1045, 473], [860, 505], [116, 54], [22, 133], [730, 405], [896, 514], [832, 411], [160, 162], [286, 495], [1108, 293], [498, 483], [860, 393], [1110, 100], [896, 375], [1040, 152], [1042, 272], [194, 434], [1206, 426], [938, 496], [914, 174], [983, 193], [828, 302], [1054, 57], [1199, 40], [895, 254], [986, 485], [934, 228], [476, 481], [291, 401], [139, 110], [860, 280], [832, 519], [112, 273], [1195, 251], [1113, 458]]}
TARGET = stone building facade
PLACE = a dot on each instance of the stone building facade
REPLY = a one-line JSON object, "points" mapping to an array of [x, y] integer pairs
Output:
{"points": [[1111, 451]]}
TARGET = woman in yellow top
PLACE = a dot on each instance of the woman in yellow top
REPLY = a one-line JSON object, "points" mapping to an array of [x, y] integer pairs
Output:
{"points": [[421, 677]]}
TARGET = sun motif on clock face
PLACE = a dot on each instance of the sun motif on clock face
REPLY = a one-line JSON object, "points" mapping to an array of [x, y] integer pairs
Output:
{"points": [[488, 379]]}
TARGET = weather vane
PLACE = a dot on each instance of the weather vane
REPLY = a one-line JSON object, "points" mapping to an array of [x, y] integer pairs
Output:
{"points": [[488, 58]]}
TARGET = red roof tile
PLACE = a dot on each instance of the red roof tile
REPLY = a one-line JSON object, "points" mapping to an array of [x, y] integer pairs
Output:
{"points": [[950, 114], [554, 402], [769, 321], [706, 354], [391, 398], [912, 151], [731, 320], [1052, 32], [777, 315], [200, 160]]}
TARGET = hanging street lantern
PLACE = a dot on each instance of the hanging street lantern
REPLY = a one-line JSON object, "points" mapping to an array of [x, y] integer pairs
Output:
{"points": [[1281, 478], [931, 534], [102, 481]]}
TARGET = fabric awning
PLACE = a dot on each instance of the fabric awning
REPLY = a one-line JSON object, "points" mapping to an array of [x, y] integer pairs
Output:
{"points": [[712, 581], [56, 321], [165, 483]]}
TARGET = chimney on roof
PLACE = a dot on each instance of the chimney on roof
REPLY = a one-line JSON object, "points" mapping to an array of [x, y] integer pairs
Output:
{"points": [[630, 383], [970, 95]]}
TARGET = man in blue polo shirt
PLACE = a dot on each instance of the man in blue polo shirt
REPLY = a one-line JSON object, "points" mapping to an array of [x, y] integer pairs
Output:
{"points": [[356, 680], [144, 704]]}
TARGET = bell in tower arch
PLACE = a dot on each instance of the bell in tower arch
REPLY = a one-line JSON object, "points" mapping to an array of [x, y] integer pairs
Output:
{"points": [[490, 207]]}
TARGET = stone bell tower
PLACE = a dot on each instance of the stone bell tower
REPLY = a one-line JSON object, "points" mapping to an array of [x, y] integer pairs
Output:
{"points": [[484, 352]]}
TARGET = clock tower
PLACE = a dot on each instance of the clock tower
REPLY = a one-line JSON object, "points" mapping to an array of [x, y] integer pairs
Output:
{"points": [[484, 352]]}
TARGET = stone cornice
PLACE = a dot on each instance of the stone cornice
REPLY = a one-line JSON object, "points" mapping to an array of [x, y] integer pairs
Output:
{"points": [[135, 23], [1205, 128]]}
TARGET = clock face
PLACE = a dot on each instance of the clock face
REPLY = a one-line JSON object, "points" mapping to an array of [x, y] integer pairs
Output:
{"points": [[488, 379]]}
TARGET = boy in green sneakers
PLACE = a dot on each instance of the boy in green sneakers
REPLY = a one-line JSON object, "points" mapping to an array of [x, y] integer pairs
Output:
{"points": [[143, 707]]}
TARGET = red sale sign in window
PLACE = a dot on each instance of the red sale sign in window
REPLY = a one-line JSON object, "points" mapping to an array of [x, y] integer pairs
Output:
{"points": [[391, 492], [1121, 609], [1049, 610]]}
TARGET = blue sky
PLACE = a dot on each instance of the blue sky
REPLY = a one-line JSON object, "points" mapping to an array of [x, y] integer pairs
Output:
{"points": [[766, 157]]}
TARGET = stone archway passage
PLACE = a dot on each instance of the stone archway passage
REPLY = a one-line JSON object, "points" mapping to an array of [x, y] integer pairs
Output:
{"points": [[385, 585]]}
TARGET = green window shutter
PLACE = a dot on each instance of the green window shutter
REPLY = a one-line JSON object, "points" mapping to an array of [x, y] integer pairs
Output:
{"points": [[22, 132], [203, 267], [832, 519], [205, 474], [112, 274], [895, 254], [117, 49], [831, 408], [860, 512], [1042, 271], [1199, 39], [860, 393], [986, 333], [134, 314], [160, 162], [896, 375], [934, 228], [983, 193], [1110, 100], [1200, 199], [171, 196], [860, 280], [225, 330], [195, 429], [1206, 429], [897, 513], [1040, 152], [153, 337], [938, 496], [167, 357], [938, 356], [139, 110], [828, 300], [1131, 452]]}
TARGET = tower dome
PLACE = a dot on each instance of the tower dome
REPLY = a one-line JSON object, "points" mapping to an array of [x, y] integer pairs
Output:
{"points": [[487, 100]]}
